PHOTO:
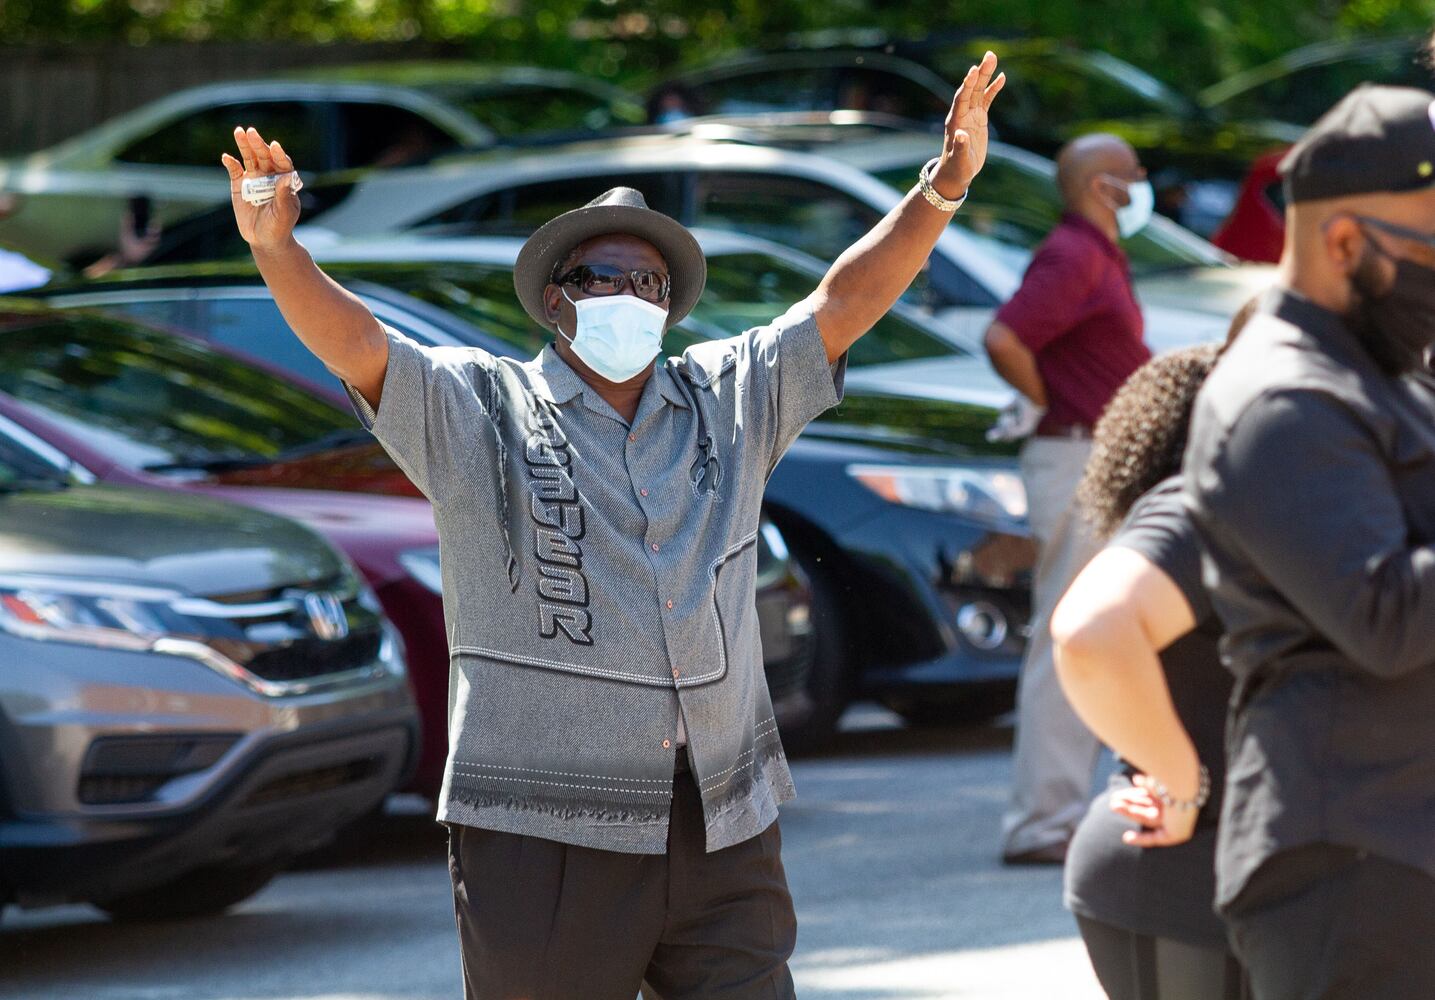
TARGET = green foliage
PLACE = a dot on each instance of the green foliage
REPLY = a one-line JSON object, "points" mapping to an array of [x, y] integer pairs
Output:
{"points": [[1189, 43]]}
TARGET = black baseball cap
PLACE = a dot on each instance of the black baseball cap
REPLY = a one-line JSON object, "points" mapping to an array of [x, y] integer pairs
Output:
{"points": [[1376, 140]]}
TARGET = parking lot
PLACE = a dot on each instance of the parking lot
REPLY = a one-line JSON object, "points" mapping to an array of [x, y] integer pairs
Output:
{"points": [[890, 848]]}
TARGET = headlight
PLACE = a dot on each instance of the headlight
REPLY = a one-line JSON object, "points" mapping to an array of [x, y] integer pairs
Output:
{"points": [[117, 616], [391, 651], [423, 566], [988, 494], [229, 638]]}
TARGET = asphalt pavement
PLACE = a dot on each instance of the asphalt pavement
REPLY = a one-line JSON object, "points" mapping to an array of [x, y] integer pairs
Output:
{"points": [[890, 847]]}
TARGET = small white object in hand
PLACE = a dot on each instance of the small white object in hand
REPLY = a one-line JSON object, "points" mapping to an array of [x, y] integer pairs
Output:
{"points": [[1017, 420], [260, 190]]}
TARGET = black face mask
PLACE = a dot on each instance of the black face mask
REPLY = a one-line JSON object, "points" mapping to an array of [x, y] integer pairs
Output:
{"points": [[1396, 324]]}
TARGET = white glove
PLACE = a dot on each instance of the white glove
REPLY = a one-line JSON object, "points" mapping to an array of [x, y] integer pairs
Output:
{"points": [[1017, 420]]}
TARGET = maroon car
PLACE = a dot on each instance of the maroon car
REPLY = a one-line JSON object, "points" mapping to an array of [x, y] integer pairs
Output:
{"points": [[130, 404], [1256, 228]]}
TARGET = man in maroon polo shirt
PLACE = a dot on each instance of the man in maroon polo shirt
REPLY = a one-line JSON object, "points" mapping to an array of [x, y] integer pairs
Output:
{"points": [[1067, 339]]}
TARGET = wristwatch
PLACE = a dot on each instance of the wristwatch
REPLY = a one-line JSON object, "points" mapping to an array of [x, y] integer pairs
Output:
{"points": [[924, 181]]}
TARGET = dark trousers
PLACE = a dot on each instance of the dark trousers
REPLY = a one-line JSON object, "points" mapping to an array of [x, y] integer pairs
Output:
{"points": [[1331, 923], [1135, 966], [540, 920]]}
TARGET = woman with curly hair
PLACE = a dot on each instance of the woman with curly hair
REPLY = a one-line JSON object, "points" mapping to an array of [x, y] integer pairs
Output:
{"points": [[1135, 641]]}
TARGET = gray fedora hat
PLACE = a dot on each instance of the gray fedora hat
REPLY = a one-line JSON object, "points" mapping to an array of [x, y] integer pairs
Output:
{"points": [[619, 210]]}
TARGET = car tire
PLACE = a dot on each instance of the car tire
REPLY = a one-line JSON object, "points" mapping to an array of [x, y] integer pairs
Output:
{"points": [[202, 892], [828, 680]]}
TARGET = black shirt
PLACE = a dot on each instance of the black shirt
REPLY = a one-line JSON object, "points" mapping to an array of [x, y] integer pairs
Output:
{"points": [[1163, 891], [1310, 475]]}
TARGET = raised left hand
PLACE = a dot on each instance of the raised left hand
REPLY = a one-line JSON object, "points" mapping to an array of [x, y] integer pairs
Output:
{"points": [[964, 148], [1160, 827]]}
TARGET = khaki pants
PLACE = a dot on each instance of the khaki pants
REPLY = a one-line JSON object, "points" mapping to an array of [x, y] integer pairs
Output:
{"points": [[1055, 754]]}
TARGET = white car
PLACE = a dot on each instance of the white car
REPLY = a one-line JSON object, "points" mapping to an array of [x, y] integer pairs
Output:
{"points": [[818, 199], [64, 204], [330, 118]]}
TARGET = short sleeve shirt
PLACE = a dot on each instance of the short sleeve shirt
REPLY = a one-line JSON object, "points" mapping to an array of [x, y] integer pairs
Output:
{"points": [[1163, 891], [599, 577], [1310, 474], [1077, 313]]}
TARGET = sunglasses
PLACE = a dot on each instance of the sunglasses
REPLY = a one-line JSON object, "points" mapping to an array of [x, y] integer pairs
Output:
{"points": [[605, 279], [1413, 235]]}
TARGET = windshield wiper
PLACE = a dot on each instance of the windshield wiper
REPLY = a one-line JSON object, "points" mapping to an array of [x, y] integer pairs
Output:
{"points": [[334, 439], [341, 438], [205, 464], [1164, 270]]}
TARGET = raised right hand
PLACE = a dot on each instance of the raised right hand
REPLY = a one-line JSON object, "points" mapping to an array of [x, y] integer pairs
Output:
{"points": [[264, 227]]}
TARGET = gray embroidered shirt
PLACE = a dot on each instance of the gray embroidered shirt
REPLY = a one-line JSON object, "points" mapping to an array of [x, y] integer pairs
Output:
{"points": [[599, 578]]}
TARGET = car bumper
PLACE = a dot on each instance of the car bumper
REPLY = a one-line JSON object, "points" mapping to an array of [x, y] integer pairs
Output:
{"points": [[942, 602], [292, 770], [417, 613]]}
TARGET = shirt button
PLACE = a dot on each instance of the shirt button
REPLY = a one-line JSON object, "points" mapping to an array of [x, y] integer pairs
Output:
{"points": [[675, 673], [670, 604], [667, 743], [632, 437], [655, 546], [643, 492]]}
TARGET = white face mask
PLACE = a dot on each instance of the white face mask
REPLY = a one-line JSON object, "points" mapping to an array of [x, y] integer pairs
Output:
{"points": [[618, 335], [1133, 216]]}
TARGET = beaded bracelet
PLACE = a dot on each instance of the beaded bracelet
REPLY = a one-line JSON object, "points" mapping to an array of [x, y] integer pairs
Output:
{"points": [[1203, 793]]}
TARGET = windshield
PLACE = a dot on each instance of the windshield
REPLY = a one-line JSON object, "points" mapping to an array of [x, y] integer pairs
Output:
{"points": [[743, 290], [1047, 87], [1015, 206], [147, 398], [1303, 95]]}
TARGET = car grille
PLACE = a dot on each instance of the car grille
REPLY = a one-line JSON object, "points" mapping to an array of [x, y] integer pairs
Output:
{"points": [[316, 657], [312, 782], [272, 637]]}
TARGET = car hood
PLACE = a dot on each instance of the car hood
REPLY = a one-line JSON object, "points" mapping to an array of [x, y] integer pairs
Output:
{"points": [[157, 538], [1196, 305], [934, 409], [371, 529]]}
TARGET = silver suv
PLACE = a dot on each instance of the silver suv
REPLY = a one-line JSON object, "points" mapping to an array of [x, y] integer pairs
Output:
{"points": [[191, 693]]}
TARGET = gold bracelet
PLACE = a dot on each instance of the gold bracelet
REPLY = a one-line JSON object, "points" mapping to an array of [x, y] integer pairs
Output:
{"points": [[924, 181]]}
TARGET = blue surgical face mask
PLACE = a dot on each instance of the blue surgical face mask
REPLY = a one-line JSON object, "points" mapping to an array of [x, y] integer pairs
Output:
{"points": [[617, 335], [1133, 216]]}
